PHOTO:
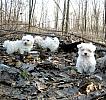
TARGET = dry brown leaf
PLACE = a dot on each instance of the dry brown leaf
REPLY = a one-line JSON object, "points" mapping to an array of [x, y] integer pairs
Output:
{"points": [[91, 87]]}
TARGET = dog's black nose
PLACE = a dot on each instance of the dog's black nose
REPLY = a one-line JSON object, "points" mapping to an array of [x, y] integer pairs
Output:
{"points": [[25, 43], [85, 54]]}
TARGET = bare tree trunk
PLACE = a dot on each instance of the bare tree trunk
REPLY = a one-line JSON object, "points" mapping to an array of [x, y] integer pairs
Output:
{"points": [[105, 19], [103, 22], [78, 17], [91, 23], [82, 17], [10, 11], [31, 11], [5, 13], [85, 15], [41, 22], [96, 16], [56, 15], [63, 20], [33, 8], [45, 19], [67, 18], [1, 13], [18, 14]]}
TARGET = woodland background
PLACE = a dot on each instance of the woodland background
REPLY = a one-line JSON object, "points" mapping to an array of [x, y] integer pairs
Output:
{"points": [[85, 18]]}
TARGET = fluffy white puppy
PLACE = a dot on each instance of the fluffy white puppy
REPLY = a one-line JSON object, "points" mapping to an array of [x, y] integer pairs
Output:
{"points": [[11, 46], [48, 42], [53, 44], [86, 61], [24, 45], [39, 40]]}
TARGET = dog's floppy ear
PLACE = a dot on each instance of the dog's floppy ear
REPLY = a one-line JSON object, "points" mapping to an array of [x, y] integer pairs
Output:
{"points": [[90, 43], [93, 47], [79, 45]]}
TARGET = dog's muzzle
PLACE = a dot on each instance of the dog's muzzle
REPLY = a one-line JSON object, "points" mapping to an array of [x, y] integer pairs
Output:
{"points": [[25, 43], [85, 54]]}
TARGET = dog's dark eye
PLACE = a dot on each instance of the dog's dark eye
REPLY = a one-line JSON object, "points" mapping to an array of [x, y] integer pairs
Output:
{"points": [[27, 40], [89, 50], [82, 49]]}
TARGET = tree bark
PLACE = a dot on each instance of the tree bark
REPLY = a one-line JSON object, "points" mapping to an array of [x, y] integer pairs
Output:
{"points": [[85, 14], [67, 18], [63, 20], [56, 15], [105, 20], [1, 13]]}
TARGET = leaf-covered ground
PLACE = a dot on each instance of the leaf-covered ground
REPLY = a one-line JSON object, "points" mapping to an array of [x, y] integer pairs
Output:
{"points": [[46, 76]]}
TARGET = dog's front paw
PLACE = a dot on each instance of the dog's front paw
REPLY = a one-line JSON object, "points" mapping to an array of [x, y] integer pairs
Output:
{"points": [[21, 52]]}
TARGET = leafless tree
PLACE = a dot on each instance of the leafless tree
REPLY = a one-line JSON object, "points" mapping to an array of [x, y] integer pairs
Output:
{"points": [[31, 11], [105, 18], [67, 18], [1, 15], [41, 22], [5, 12], [96, 16], [79, 20], [85, 15], [56, 15], [77, 23], [10, 11], [64, 13]]}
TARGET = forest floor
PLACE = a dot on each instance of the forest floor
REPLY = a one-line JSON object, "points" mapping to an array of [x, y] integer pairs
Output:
{"points": [[52, 78]]}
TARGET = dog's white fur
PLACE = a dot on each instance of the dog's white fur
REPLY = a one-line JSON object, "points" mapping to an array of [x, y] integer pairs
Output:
{"points": [[48, 42], [53, 46], [39, 40], [24, 45], [86, 61], [11, 46], [27, 44]]}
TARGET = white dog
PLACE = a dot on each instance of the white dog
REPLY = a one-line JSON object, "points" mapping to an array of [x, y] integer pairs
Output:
{"points": [[53, 44], [39, 40], [48, 42], [11, 46], [27, 44], [24, 45], [86, 61]]}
